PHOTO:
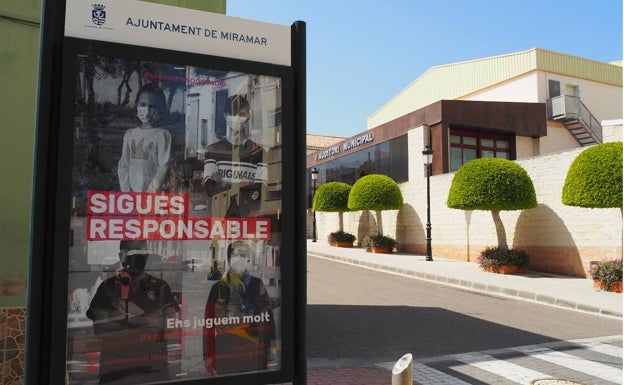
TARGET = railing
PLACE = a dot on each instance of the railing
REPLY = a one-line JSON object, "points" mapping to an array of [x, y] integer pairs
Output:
{"points": [[567, 107]]}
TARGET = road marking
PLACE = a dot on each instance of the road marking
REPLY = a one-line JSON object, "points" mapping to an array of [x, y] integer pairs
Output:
{"points": [[610, 350], [487, 361], [569, 361], [512, 372]]}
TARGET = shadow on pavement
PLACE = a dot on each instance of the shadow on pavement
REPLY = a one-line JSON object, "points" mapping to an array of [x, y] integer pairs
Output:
{"points": [[384, 333]]}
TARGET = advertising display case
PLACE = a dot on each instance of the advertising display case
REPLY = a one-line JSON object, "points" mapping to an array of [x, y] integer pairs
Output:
{"points": [[168, 247]]}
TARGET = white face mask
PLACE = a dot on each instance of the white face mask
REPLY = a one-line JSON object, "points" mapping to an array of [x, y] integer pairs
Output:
{"points": [[147, 114], [238, 264], [237, 129]]}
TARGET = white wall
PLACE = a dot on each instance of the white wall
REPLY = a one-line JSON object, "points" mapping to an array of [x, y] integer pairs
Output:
{"points": [[519, 89], [603, 100], [561, 239]]}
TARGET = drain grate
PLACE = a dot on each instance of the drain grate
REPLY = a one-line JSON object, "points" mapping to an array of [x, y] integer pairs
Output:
{"points": [[554, 381]]}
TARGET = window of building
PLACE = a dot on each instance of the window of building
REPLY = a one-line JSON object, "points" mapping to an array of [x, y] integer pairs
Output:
{"points": [[554, 88], [204, 132], [469, 145], [274, 191], [221, 98], [389, 158]]}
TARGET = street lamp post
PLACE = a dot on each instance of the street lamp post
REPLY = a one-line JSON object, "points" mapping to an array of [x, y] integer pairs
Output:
{"points": [[314, 173], [428, 155]]}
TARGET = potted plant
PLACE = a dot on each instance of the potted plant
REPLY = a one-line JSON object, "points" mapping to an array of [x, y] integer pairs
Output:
{"points": [[375, 192], [607, 275], [495, 185], [341, 239], [379, 243], [503, 260]]}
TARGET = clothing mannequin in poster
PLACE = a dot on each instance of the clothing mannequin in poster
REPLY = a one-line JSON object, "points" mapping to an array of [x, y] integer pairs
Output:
{"points": [[146, 150], [245, 343], [129, 313]]}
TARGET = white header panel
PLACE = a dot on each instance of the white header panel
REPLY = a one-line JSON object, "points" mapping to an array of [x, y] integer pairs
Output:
{"points": [[180, 29]]}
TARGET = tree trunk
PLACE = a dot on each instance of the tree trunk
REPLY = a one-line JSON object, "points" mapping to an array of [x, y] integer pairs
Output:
{"points": [[379, 225], [340, 221], [500, 229]]}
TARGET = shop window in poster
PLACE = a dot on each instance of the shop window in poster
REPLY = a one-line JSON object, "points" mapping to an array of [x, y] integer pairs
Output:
{"points": [[174, 267]]}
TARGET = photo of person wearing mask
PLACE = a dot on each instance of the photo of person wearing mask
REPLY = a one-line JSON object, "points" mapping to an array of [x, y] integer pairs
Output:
{"points": [[244, 164], [241, 346], [146, 150], [129, 312]]}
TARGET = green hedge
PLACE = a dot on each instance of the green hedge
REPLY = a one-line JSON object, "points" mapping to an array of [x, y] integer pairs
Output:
{"points": [[595, 178], [332, 197], [375, 192], [491, 184]]}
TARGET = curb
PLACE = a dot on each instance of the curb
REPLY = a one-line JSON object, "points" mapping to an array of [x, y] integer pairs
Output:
{"points": [[474, 286]]}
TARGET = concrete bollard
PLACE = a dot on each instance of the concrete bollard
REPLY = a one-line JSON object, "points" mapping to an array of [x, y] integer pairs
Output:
{"points": [[402, 371]]}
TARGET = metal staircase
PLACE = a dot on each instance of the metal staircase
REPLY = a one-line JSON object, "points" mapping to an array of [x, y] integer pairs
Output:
{"points": [[576, 117]]}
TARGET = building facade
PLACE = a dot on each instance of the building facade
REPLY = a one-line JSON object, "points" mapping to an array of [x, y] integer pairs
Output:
{"points": [[536, 107]]}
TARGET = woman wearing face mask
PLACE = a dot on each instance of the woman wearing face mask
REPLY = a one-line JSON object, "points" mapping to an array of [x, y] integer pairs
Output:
{"points": [[236, 296], [146, 149], [237, 114]]}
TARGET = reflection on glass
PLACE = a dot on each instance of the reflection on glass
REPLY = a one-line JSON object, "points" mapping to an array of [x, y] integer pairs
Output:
{"points": [[469, 154], [174, 271]]}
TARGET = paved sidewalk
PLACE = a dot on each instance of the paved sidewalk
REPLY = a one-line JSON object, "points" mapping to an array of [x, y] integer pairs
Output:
{"points": [[571, 293], [567, 292]]}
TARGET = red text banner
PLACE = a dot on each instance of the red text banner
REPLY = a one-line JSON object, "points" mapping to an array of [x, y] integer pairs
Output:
{"points": [[137, 203], [108, 228], [113, 215]]}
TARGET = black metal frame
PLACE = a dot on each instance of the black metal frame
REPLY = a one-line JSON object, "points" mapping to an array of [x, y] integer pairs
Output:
{"points": [[47, 302]]}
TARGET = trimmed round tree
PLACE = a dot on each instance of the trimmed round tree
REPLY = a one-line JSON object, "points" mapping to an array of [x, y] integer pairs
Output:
{"points": [[375, 192], [492, 184], [594, 178], [332, 197]]}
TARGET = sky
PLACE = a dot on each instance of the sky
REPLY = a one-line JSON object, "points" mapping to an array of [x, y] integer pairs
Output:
{"points": [[360, 54]]}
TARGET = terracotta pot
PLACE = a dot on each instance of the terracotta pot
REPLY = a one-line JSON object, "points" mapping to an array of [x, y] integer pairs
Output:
{"points": [[341, 244], [506, 269], [381, 250], [616, 287]]}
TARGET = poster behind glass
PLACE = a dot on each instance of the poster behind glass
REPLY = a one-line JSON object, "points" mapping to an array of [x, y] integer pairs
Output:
{"points": [[174, 261]]}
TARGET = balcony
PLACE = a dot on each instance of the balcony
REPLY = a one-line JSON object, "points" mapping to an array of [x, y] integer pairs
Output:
{"points": [[576, 117]]}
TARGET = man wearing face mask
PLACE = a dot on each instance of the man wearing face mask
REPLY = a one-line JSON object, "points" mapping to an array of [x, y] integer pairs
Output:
{"points": [[240, 345], [244, 160], [129, 313], [146, 150]]}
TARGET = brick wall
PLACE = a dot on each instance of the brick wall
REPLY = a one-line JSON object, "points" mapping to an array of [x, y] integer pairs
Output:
{"points": [[560, 239]]}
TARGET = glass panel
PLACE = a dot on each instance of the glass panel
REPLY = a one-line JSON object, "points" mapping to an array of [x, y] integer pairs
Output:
{"points": [[487, 154], [554, 88], [175, 266], [469, 154], [487, 142], [502, 154], [502, 144], [388, 158], [399, 159], [456, 158], [455, 139], [470, 141]]}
